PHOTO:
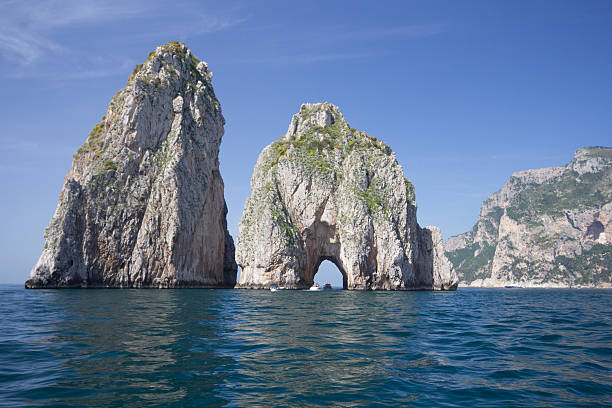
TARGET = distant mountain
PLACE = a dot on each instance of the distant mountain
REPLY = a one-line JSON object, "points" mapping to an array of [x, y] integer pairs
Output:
{"points": [[550, 227]]}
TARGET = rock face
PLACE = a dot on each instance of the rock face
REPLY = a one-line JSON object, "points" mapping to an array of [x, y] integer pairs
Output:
{"points": [[550, 227], [326, 191], [143, 205]]}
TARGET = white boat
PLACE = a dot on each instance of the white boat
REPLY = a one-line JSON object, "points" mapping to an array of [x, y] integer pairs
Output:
{"points": [[273, 289], [315, 287]]}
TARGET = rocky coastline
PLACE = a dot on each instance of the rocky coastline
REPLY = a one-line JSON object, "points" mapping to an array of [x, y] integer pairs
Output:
{"points": [[546, 228]]}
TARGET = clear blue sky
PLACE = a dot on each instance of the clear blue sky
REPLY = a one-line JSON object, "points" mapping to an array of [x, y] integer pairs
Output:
{"points": [[465, 92]]}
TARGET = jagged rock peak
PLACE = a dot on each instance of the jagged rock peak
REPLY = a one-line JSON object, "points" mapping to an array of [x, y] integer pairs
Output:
{"points": [[142, 205], [317, 115], [172, 62], [326, 191]]}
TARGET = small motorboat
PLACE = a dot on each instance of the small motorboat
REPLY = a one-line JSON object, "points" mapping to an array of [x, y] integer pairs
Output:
{"points": [[276, 287], [513, 287], [315, 287], [327, 286]]}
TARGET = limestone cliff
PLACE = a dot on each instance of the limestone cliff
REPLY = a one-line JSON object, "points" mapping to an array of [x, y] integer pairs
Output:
{"points": [[143, 205], [326, 191], [550, 227]]}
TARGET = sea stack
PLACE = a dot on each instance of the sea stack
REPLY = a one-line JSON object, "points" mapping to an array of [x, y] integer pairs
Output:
{"points": [[549, 227], [143, 205], [326, 191]]}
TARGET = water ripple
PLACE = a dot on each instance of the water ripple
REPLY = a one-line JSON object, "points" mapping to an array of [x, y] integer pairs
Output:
{"points": [[295, 348]]}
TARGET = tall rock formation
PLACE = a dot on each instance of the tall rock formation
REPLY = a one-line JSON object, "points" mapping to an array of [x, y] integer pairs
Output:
{"points": [[143, 205], [326, 191], [550, 227]]}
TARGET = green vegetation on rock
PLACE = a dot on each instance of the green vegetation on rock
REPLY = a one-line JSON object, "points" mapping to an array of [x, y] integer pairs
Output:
{"points": [[571, 191], [592, 267], [94, 142], [410, 194], [109, 165], [374, 200], [473, 262], [323, 151], [289, 230]]}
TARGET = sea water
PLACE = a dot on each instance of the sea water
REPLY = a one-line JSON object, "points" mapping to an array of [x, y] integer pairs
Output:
{"points": [[472, 347]]}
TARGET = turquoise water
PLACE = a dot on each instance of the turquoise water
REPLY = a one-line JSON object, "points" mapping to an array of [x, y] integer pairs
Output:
{"points": [[513, 347]]}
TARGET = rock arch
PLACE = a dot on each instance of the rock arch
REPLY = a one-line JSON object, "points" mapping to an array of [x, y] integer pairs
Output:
{"points": [[327, 191], [334, 261]]}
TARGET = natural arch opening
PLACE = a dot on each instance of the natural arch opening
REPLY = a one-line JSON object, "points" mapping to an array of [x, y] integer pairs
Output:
{"points": [[328, 272]]}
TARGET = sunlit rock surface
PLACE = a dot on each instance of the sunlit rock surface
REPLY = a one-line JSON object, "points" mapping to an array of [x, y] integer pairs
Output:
{"points": [[325, 191], [143, 205], [550, 227]]}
